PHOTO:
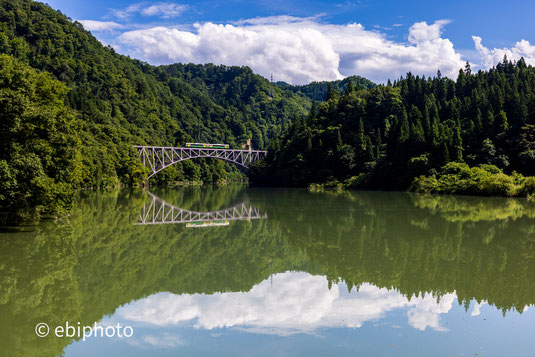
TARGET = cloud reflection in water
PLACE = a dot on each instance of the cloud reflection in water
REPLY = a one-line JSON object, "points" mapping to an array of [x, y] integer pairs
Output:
{"points": [[287, 303]]}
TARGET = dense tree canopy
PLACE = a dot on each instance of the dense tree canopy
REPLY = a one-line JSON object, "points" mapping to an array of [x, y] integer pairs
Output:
{"points": [[386, 136], [39, 143], [320, 91]]}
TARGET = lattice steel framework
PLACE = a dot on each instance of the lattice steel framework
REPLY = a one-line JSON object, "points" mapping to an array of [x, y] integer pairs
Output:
{"points": [[157, 158], [160, 212]]}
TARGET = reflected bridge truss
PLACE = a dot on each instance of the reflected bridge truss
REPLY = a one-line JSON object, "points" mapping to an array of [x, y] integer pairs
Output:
{"points": [[160, 212]]}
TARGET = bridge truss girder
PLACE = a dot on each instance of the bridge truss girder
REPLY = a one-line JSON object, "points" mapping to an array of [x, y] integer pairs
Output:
{"points": [[157, 158]]}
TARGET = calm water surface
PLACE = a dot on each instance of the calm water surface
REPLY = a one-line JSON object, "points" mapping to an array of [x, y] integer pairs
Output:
{"points": [[241, 271]]}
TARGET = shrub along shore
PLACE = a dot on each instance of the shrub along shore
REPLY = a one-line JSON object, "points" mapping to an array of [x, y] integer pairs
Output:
{"points": [[453, 178]]}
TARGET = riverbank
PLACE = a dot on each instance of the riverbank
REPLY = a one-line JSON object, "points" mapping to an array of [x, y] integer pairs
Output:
{"points": [[483, 180], [454, 179]]}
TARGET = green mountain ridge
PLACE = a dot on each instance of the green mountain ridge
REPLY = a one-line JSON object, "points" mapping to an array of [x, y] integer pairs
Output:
{"points": [[318, 90]]}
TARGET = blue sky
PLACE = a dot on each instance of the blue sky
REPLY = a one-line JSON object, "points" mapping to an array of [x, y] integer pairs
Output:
{"points": [[300, 41]]}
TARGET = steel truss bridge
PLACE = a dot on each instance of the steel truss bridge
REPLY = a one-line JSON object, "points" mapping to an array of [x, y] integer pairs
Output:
{"points": [[157, 158], [160, 212]]}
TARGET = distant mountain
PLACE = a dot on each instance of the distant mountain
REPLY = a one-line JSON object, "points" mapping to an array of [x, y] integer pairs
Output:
{"points": [[318, 90]]}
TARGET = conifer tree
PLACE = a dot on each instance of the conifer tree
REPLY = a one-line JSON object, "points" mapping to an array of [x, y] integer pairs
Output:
{"points": [[361, 143], [378, 153], [404, 132], [370, 154], [467, 69], [330, 93], [502, 124], [445, 154], [350, 88], [435, 131], [478, 122], [313, 112], [458, 143]]}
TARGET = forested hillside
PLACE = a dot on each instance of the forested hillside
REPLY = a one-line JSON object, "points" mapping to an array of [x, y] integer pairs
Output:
{"points": [[116, 102], [256, 108], [482, 125], [318, 91], [72, 109]]}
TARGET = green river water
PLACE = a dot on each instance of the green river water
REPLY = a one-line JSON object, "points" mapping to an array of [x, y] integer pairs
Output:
{"points": [[238, 271]]}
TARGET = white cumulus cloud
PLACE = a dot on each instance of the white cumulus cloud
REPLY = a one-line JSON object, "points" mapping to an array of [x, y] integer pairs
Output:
{"points": [[99, 26], [300, 50], [164, 10], [421, 31], [491, 57]]}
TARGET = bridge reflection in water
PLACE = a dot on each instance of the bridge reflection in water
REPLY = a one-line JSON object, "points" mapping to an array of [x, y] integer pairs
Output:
{"points": [[159, 211]]}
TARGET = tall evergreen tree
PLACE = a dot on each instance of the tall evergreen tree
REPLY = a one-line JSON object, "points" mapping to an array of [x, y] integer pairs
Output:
{"points": [[330, 93]]}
